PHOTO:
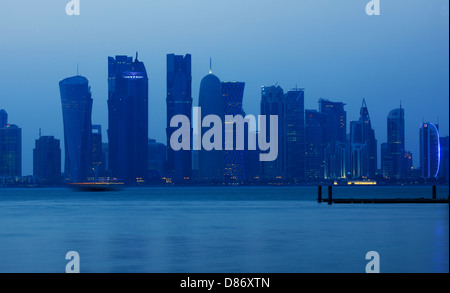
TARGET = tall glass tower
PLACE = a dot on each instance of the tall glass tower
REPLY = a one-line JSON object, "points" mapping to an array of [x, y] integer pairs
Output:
{"points": [[295, 134], [77, 110], [3, 118], [127, 119], [273, 102], [315, 139], [233, 95], [363, 146], [11, 151], [394, 167], [211, 163], [335, 138], [179, 102]]}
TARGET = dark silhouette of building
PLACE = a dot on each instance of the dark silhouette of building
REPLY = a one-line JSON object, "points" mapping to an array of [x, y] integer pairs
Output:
{"points": [[3, 118], [211, 162], [127, 119], [10, 150], [47, 160], [157, 153], [383, 153], [97, 151], [252, 164], [233, 95], [179, 102], [295, 135], [336, 150], [77, 109], [394, 166], [408, 163], [363, 146], [105, 159], [273, 102], [430, 152], [315, 123]]}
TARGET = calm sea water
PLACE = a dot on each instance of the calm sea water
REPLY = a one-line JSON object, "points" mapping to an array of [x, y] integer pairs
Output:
{"points": [[226, 230]]}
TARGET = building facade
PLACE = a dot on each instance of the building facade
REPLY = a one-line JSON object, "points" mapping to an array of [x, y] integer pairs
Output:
{"points": [[295, 135], [179, 102], [395, 145], [211, 162], [127, 119], [315, 142], [11, 151], [233, 95], [273, 102], [363, 146], [77, 110], [336, 149], [430, 150], [47, 160]]}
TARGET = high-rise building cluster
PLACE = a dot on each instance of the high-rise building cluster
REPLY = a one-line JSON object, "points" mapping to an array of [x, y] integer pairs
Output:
{"points": [[313, 145]]}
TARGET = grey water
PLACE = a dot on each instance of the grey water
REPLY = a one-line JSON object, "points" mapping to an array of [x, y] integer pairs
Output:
{"points": [[221, 230]]}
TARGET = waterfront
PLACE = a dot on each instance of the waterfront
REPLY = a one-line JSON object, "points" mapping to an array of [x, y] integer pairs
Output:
{"points": [[227, 230]]}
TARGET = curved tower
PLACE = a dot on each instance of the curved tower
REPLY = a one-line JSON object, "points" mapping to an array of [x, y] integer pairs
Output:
{"points": [[211, 163], [430, 150], [77, 109]]}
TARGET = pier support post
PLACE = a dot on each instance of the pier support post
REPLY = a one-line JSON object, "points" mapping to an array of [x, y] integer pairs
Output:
{"points": [[319, 193], [330, 194], [434, 192]]}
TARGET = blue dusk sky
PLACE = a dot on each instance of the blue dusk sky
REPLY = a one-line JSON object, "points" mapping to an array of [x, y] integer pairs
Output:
{"points": [[331, 48]]}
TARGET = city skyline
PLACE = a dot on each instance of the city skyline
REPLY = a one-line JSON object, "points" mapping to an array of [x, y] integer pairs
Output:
{"points": [[126, 77], [379, 59]]}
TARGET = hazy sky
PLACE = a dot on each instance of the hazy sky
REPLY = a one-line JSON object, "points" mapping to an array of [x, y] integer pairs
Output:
{"points": [[331, 48]]}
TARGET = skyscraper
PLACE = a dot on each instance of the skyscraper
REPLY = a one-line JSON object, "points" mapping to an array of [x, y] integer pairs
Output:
{"points": [[211, 162], [315, 140], [179, 102], [233, 94], [336, 151], [157, 153], [273, 102], [336, 129], [11, 151], [363, 146], [395, 144], [47, 160], [295, 135], [97, 152], [77, 109], [383, 153], [127, 119], [3, 118], [430, 150]]}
